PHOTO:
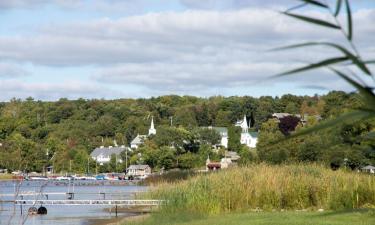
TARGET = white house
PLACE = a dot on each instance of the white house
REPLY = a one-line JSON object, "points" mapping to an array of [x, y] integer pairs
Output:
{"points": [[249, 139], [138, 170], [103, 154], [223, 131], [140, 139], [368, 169]]}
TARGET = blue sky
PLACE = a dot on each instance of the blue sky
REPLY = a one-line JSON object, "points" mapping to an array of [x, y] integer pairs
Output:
{"points": [[51, 49]]}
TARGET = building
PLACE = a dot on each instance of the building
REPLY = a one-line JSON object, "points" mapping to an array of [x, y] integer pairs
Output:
{"points": [[103, 154], [138, 170], [137, 141], [248, 138], [140, 139], [223, 131], [368, 169], [223, 164]]}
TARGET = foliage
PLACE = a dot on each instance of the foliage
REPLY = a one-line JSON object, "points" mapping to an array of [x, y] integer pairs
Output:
{"points": [[288, 124], [288, 187], [350, 56]]}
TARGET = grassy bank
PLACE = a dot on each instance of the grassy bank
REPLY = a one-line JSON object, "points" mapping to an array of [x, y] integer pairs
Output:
{"points": [[266, 187], [362, 217]]}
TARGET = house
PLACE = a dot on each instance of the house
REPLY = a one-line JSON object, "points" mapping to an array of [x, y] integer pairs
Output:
{"points": [[248, 138], [137, 141], [103, 154], [368, 169], [233, 156], [138, 170], [140, 139], [223, 131], [223, 164]]}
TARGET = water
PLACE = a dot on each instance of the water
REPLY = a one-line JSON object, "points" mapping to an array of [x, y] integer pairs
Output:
{"points": [[63, 215]]}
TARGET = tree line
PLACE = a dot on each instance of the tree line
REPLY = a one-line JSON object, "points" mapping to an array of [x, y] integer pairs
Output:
{"points": [[64, 132]]}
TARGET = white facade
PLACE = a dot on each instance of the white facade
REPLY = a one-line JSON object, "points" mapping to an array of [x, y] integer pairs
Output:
{"points": [[249, 139], [103, 154]]}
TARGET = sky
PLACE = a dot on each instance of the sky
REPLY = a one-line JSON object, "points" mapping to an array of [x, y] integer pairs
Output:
{"points": [[51, 49]]}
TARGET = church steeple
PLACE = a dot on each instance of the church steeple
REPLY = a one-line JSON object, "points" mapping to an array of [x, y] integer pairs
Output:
{"points": [[152, 130], [244, 125]]}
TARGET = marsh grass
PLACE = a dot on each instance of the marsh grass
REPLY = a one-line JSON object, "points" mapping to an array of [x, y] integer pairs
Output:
{"points": [[266, 187], [170, 176]]}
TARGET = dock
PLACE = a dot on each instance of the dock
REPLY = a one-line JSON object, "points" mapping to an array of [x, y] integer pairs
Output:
{"points": [[91, 202]]}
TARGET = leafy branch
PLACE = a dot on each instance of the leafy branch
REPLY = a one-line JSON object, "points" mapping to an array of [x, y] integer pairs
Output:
{"points": [[349, 56]]}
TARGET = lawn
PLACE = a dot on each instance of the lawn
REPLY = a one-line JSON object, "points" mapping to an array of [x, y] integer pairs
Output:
{"points": [[357, 217]]}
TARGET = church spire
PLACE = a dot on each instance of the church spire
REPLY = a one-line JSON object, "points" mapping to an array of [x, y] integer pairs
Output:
{"points": [[244, 125], [152, 129]]}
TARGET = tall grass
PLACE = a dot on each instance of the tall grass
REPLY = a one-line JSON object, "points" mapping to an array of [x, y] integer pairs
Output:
{"points": [[268, 187]]}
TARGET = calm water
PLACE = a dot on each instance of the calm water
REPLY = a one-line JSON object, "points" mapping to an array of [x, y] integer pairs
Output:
{"points": [[10, 214]]}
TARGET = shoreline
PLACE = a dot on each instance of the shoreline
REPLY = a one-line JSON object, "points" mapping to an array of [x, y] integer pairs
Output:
{"points": [[125, 215]]}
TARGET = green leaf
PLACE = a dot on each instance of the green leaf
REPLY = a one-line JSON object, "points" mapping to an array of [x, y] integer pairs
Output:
{"points": [[315, 65], [366, 93], [338, 7], [316, 3], [354, 116], [313, 20], [350, 22], [361, 65]]}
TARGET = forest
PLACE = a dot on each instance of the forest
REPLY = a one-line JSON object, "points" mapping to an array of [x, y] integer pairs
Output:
{"points": [[35, 134]]}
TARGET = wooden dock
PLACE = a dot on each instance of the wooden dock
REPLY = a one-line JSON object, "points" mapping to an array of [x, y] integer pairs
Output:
{"points": [[33, 193], [91, 202]]}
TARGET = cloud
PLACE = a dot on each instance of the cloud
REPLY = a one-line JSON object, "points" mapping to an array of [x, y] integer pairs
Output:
{"points": [[11, 70], [52, 91], [194, 50]]}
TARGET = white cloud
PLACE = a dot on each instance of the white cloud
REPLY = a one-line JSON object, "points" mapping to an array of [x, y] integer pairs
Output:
{"points": [[11, 70], [52, 91], [192, 51]]}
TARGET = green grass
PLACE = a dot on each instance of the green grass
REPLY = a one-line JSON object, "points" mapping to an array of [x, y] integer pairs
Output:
{"points": [[283, 187], [358, 217]]}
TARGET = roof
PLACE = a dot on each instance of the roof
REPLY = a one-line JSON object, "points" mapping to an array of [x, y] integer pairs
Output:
{"points": [[214, 165], [369, 167], [232, 155], [254, 134], [138, 167], [221, 130], [138, 140], [107, 151]]}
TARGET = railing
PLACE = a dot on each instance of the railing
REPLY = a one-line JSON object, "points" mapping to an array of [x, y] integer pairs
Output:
{"points": [[92, 202]]}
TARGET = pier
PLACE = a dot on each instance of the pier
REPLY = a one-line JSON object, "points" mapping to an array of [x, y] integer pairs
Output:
{"points": [[91, 202]]}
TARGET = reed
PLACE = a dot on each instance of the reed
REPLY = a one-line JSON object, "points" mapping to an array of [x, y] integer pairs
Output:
{"points": [[268, 187]]}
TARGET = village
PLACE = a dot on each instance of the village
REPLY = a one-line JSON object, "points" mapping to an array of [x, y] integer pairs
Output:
{"points": [[103, 155]]}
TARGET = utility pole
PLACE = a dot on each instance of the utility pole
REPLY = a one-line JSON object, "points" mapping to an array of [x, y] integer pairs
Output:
{"points": [[70, 167], [88, 165], [96, 167], [45, 167]]}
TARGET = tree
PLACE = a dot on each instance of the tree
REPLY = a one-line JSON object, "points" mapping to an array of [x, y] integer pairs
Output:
{"points": [[209, 136], [234, 135], [288, 124]]}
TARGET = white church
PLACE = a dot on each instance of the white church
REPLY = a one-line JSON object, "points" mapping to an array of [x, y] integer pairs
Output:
{"points": [[140, 139], [249, 139]]}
